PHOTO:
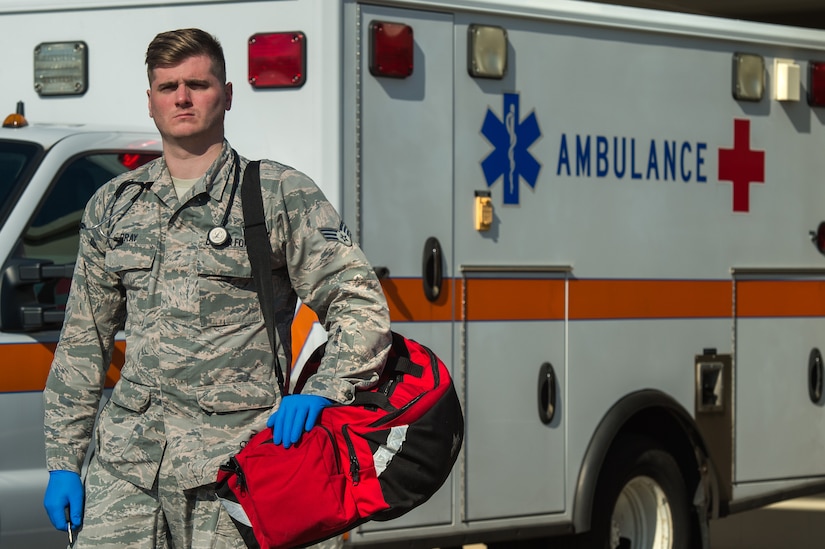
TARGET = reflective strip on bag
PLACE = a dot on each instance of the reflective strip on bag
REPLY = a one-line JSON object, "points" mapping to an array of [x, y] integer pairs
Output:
{"points": [[235, 511]]}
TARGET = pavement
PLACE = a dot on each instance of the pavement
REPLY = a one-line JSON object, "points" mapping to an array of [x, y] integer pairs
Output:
{"points": [[794, 524]]}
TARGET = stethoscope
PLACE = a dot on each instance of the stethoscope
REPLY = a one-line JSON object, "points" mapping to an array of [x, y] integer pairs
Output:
{"points": [[217, 235], [109, 214]]}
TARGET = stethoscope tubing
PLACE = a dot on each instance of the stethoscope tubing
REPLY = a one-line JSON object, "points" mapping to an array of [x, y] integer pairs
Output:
{"points": [[217, 236]]}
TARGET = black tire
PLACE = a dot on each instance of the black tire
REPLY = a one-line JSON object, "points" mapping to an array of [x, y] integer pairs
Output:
{"points": [[639, 489]]}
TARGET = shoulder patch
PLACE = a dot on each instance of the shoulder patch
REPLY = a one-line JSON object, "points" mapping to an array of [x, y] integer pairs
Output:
{"points": [[341, 234]]}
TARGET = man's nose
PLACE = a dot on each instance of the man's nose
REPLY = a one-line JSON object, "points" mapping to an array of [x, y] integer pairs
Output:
{"points": [[182, 96]]}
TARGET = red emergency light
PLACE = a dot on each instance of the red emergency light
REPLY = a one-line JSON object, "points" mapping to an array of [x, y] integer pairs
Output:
{"points": [[135, 160], [391, 49], [816, 84], [277, 60]]}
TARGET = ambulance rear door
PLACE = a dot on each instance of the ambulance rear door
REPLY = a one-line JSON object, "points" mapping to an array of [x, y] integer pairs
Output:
{"points": [[406, 194]]}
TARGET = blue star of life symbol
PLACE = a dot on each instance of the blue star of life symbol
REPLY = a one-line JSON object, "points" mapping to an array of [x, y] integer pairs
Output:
{"points": [[510, 158]]}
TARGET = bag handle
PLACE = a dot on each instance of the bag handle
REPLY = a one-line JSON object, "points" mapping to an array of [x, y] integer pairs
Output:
{"points": [[260, 256]]}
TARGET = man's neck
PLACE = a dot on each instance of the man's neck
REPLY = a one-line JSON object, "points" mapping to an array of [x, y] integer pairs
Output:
{"points": [[190, 163]]}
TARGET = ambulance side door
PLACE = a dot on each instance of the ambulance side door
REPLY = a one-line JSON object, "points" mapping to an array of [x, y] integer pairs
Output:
{"points": [[513, 279]]}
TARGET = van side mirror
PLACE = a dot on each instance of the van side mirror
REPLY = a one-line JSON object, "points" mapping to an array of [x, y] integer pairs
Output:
{"points": [[30, 294]]}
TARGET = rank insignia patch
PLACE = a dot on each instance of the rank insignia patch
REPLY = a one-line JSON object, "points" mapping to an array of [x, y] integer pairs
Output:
{"points": [[341, 234]]}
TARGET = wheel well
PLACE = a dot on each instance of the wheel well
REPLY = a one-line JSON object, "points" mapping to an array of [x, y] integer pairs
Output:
{"points": [[650, 413], [672, 434]]}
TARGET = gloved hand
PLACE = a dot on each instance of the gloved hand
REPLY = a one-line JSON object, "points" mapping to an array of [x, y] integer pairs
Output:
{"points": [[297, 413], [65, 491]]}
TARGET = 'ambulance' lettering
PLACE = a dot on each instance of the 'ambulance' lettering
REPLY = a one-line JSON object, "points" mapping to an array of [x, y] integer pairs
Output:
{"points": [[623, 156]]}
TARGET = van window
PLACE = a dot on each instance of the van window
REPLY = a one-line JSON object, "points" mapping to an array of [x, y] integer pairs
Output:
{"points": [[52, 233], [15, 157]]}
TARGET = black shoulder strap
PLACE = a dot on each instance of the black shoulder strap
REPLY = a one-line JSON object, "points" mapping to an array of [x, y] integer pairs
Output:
{"points": [[260, 255]]}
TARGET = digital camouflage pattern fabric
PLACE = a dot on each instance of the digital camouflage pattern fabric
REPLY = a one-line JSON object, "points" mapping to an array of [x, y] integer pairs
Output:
{"points": [[198, 378]]}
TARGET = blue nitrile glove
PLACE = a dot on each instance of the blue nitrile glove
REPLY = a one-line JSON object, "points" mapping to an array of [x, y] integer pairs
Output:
{"points": [[297, 413], [65, 491]]}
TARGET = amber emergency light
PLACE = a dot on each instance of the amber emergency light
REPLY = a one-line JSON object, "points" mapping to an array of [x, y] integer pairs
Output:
{"points": [[16, 119]]}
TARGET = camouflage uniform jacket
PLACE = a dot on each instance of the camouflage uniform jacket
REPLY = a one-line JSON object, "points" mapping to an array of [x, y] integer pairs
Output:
{"points": [[198, 377]]}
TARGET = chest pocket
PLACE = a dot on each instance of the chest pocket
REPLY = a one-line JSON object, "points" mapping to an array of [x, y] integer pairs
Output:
{"points": [[132, 262], [226, 289]]}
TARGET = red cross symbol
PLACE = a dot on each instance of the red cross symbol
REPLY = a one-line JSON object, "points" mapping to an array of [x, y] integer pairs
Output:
{"points": [[741, 166]]}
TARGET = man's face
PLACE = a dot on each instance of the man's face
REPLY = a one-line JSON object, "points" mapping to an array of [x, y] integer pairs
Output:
{"points": [[187, 101]]}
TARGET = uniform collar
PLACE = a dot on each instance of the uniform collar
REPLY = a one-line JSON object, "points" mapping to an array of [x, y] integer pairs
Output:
{"points": [[217, 181], [220, 177]]}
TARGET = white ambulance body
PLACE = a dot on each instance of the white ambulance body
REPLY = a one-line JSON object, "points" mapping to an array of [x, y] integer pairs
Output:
{"points": [[607, 236]]}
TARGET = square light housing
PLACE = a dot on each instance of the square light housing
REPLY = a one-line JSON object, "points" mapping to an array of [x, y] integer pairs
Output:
{"points": [[786, 79], [486, 51], [277, 60], [391, 49], [748, 77], [61, 68], [816, 84]]}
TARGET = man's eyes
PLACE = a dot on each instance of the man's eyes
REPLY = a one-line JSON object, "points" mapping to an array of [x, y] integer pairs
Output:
{"points": [[191, 85]]}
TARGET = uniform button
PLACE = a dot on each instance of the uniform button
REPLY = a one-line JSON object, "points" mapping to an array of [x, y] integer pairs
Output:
{"points": [[348, 394]]}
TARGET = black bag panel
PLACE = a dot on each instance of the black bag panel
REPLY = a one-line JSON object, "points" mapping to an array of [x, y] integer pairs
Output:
{"points": [[426, 458]]}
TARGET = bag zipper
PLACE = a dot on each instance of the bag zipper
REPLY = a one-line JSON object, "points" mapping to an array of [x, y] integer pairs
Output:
{"points": [[334, 446], [354, 466], [234, 467], [436, 381]]}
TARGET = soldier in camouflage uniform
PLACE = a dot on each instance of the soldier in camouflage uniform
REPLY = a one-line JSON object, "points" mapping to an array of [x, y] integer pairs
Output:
{"points": [[198, 378]]}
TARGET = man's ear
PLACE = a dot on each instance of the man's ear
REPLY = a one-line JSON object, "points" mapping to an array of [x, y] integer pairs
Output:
{"points": [[149, 102], [228, 92]]}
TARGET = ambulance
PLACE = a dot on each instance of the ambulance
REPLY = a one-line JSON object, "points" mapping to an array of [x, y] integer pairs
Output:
{"points": [[608, 221]]}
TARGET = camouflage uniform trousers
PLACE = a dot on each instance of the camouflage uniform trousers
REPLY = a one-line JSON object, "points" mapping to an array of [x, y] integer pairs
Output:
{"points": [[119, 514]]}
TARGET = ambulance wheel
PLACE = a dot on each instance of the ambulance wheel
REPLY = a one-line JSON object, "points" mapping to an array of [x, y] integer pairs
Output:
{"points": [[641, 500]]}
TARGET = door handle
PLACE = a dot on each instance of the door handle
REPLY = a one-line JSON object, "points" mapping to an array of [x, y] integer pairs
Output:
{"points": [[431, 265], [547, 393], [815, 376]]}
